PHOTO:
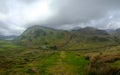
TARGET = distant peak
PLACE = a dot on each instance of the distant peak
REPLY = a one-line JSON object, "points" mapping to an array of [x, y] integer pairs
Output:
{"points": [[37, 26], [90, 27], [91, 31]]}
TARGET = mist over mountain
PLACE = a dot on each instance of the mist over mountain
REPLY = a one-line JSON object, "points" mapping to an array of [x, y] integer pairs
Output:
{"points": [[18, 15], [35, 30], [91, 30], [59, 37], [12, 37]]}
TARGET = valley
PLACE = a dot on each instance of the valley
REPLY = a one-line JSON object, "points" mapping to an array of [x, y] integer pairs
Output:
{"points": [[45, 51], [59, 37], [40, 62]]}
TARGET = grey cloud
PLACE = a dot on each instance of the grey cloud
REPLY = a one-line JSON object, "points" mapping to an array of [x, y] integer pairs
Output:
{"points": [[74, 11], [64, 14]]}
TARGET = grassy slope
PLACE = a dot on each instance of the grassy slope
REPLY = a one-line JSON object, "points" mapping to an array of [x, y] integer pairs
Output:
{"points": [[103, 57], [46, 38], [40, 62], [35, 62]]}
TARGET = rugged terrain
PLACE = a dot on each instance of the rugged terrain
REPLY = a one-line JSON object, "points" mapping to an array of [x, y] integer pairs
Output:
{"points": [[46, 51]]}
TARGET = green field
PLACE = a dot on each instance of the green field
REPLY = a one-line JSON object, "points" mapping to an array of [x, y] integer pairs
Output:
{"points": [[54, 62], [46, 51]]}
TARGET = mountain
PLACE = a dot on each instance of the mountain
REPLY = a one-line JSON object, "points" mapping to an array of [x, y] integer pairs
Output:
{"points": [[117, 32], [91, 31], [114, 32], [43, 37], [2, 37], [48, 38]]}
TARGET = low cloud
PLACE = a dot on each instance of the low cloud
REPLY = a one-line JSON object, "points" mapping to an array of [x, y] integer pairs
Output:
{"points": [[18, 15]]}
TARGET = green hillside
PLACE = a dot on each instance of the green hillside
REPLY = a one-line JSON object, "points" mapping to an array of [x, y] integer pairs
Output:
{"points": [[48, 38], [46, 51]]}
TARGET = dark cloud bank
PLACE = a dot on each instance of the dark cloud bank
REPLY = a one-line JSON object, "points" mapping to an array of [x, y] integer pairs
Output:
{"points": [[17, 15]]}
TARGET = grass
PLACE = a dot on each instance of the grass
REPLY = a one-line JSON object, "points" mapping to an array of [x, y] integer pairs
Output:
{"points": [[47, 62], [103, 62], [60, 66], [16, 60], [115, 64], [37, 64], [76, 61]]}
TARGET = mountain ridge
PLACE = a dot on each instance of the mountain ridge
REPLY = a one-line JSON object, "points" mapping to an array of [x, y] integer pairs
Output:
{"points": [[48, 38]]}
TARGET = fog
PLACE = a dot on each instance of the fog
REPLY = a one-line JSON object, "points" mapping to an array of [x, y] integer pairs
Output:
{"points": [[18, 15]]}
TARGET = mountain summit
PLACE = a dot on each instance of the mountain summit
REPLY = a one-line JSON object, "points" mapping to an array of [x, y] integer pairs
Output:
{"points": [[91, 31]]}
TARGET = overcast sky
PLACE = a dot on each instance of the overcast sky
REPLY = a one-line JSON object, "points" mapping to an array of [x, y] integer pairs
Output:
{"points": [[18, 15]]}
